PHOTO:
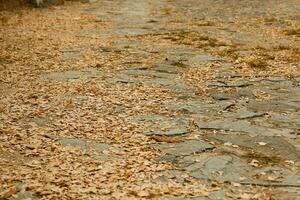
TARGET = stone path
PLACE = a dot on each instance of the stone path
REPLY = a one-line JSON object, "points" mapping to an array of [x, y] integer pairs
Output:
{"points": [[229, 126]]}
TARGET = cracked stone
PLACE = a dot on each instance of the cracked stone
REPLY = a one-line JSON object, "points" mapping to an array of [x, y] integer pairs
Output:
{"points": [[241, 126], [220, 168], [275, 146], [285, 121], [233, 95], [244, 113], [184, 148], [162, 125], [200, 107], [273, 106]]}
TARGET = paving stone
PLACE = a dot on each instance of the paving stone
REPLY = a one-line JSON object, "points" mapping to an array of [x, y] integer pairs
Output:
{"points": [[185, 148], [241, 126], [163, 125], [220, 168], [230, 168], [281, 175], [273, 106], [291, 120], [274, 146], [220, 95], [237, 84], [200, 106], [244, 113], [169, 69]]}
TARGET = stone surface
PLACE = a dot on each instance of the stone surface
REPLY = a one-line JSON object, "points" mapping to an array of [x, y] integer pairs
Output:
{"points": [[273, 106], [241, 126], [274, 146], [200, 106], [184, 148], [244, 113]]}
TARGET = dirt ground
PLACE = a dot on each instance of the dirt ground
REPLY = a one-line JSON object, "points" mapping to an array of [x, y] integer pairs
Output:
{"points": [[152, 99]]}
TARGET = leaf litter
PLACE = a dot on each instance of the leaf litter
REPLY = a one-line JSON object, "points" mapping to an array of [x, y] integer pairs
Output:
{"points": [[38, 42]]}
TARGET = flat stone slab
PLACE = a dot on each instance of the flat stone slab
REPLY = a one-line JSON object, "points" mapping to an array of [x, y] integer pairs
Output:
{"points": [[217, 94], [163, 125], [273, 106], [199, 106], [185, 148], [244, 113], [272, 146], [230, 168], [169, 68], [241, 126], [291, 120], [221, 168]]}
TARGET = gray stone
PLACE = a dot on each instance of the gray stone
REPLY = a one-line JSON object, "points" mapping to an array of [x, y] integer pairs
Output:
{"points": [[273, 106], [244, 113], [280, 180], [185, 148], [200, 106], [219, 94], [230, 84], [241, 126], [167, 68], [220, 168], [276, 147], [291, 120]]}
